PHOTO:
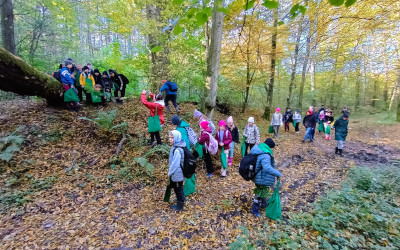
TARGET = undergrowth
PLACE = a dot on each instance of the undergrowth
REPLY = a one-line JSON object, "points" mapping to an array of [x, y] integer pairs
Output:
{"points": [[365, 213]]}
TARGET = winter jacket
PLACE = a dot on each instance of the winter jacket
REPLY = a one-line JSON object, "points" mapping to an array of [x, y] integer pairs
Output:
{"points": [[106, 83], [328, 119], [152, 107], [287, 117], [252, 134], [234, 133], [182, 128], [98, 80], [227, 139], [297, 118], [316, 117], [276, 119], [265, 168], [166, 88], [82, 79], [204, 137], [66, 76], [340, 127], [176, 157], [77, 75], [120, 81], [309, 121]]}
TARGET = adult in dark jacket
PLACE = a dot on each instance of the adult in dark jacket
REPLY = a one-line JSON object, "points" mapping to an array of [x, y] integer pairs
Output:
{"points": [[120, 81], [235, 138], [341, 128], [287, 118], [171, 90], [204, 139], [266, 174], [309, 123]]}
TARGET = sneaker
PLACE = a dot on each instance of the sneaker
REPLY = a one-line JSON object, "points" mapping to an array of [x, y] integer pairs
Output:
{"points": [[303, 141], [210, 175]]}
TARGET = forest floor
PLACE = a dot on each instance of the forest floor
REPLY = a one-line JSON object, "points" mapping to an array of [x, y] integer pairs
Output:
{"points": [[63, 190]]}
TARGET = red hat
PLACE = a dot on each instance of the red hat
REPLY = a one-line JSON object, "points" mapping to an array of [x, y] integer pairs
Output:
{"points": [[163, 81], [310, 111]]}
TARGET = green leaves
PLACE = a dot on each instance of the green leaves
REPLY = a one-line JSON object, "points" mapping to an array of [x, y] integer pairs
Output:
{"points": [[249, 4], [348, 3], [156, 49], [10, 145], [202, 16], [296, 10], [178, 2], [271, 4], [177, 30]]}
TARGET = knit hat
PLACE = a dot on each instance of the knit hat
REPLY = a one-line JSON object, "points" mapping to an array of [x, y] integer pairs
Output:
{"points": [[177, 136], [67, 62], [270, 142], [251, 119], [346, 114], [163, 81], [230, 119], [278, 109], [85, 68], [175, 119], [222, 123], [197, 114], [112, 71], [96, 71], [204, 124]]}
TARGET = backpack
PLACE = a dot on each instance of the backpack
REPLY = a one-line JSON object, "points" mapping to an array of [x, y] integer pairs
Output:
{"points": [[57, 75], [247, 167], [192, 136], [189, 163], [172, 87], [212, 147], [211, 124]]}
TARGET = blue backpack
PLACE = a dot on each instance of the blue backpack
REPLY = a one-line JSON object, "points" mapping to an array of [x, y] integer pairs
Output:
{"points": [[172, 87]]}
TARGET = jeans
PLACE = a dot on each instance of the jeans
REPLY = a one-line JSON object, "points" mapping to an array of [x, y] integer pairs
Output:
{"points": [[157, 136], [313, 132], [308, 134], [232, 145], [208, 161], [276, 131], [340, 144], [247, 146], [171, 98], [178, 189]]}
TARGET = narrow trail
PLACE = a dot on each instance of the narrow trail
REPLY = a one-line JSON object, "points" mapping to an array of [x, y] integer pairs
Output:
{"points": [[85, 210]]}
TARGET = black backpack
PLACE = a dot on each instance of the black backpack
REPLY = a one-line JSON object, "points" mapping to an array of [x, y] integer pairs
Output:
{"points": [[247, 167], [57, 75], [189, 163]]}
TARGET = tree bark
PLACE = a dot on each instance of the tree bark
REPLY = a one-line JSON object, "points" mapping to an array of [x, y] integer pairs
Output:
{"points": [[19, 77], [270, 86], [358, 86], [7, 25], [214, 55]]}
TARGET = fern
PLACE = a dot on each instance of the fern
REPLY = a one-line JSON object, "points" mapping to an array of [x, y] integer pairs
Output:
{"points": [[103, 119], [11, 144], [145, 164]]}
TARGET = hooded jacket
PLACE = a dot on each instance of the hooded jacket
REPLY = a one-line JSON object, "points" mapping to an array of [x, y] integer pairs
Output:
{"points": [[176, 158], [66, 76], [340, 127], [287, 117], [227, 139], [97, 79], [82, 79], [166, 88], [235, 133], [276, 119], [152, 106], [252, 134], [265, 168]]}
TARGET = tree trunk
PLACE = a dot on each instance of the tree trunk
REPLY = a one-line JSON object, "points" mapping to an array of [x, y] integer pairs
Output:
{"points": [[312, 69], [19, 77], [294, 66], [214, 56], [7, 25], [303, 73], [334, 80], [270, 86], [358, 86]]}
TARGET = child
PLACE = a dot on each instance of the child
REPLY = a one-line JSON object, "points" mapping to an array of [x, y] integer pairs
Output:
{"points": [[176, 158], [277, 121], [70, 97], [340, 128], [309, 124], [252, 134], [197, 114], [297, 120], [328, 119], [87, 83], [235, 138], [159, 103], [205, 140], [266, 174], [287, 118], [107, 85], [321, 118], [224, 139]]}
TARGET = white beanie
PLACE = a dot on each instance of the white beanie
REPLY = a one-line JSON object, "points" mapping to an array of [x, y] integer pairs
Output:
{"points": [[251, 119]]}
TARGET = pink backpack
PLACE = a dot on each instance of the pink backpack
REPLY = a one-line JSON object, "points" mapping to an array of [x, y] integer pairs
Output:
{"points": [[212, 147]]}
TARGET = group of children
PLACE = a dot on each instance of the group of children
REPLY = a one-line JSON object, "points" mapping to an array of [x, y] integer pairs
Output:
{"points": [[78, 80]]}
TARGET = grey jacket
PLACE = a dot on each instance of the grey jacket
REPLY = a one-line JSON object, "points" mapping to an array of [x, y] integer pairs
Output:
{"points": [[276, 119], [176, 157], [297, 118], [252, 134]]}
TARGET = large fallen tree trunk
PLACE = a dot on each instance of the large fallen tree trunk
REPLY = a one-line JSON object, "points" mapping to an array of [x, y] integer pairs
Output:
{"points": [[19, 77]]}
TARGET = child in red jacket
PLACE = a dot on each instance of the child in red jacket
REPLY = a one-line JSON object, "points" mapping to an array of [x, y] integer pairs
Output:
{"points": [[159, 103], [224, 138]]}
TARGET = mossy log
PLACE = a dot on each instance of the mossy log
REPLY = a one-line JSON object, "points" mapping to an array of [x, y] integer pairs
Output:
{"points": [[19, 77]]}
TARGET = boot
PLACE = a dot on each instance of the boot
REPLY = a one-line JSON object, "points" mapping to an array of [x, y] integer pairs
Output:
{"points": [[264, 202], [336, 150], [178, 206], [168, 108], [340, 152], [255, 209], [230, 161], [223, 172], [184, 199]]}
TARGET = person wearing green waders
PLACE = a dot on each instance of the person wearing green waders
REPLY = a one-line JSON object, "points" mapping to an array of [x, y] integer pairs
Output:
{"points": [[182, 126], [340, 128], [265, 174]]}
